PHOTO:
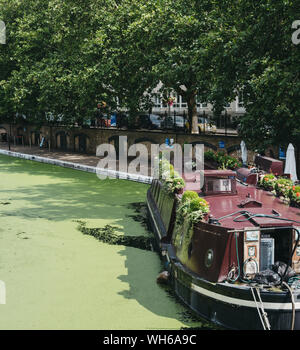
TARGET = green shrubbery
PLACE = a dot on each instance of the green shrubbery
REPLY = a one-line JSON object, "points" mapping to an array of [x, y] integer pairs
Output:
{"points": [[268, 182], [192, 208], [189, 195], [223, 160], [172, 181], [281, 187]]}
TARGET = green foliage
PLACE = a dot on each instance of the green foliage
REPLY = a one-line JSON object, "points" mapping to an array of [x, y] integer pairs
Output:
{"points": [[189, 195], [210, 155], [283, 187], [191, 208], [267, 70], [172, 181], [267, 182], [294, 196], [223, 160], [61, 58]]}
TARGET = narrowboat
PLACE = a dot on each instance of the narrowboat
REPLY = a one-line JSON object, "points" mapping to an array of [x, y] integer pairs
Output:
{"points": [[238, 267]]}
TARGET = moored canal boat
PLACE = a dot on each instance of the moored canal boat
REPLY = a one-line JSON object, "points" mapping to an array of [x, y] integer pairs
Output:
{"points": [[239, 266]]}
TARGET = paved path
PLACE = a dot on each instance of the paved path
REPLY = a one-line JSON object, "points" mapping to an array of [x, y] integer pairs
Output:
{"points": [[73, 157], [79, 161]]}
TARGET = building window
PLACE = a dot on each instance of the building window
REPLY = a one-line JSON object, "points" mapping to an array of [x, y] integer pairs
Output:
{"points": [[183, 102], [157, 100], [241, 99]]}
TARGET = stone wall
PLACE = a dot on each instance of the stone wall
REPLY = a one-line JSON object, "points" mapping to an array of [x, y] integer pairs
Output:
{"points": [[86, 140]]}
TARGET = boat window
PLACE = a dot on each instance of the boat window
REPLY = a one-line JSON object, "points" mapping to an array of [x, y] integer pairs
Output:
{"points": [[219, 185]]}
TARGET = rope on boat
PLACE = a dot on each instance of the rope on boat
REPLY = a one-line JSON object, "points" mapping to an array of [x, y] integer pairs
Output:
{"points": [[252, 215], [260, 310], [293, 304]]}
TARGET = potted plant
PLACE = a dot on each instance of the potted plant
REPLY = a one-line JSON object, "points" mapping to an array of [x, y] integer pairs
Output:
{"points": [[267, 182], [294, 196], [192, 208], [282, 187]]}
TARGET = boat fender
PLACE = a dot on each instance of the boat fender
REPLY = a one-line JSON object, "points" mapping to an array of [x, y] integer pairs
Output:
{"points": [[163, 277]]}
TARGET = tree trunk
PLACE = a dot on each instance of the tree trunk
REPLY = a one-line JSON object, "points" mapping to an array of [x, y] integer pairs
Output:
{"points": [[192, 113]]}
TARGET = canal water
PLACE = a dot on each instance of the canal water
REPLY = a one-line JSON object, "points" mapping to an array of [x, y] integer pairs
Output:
{"points": [[58, 277]]}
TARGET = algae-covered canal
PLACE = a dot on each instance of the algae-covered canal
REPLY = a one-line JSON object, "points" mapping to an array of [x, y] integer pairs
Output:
{"points": [[56, 277]]}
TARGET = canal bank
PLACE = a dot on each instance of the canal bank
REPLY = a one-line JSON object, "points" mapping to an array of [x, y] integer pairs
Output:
{"points": [[58, 278]]}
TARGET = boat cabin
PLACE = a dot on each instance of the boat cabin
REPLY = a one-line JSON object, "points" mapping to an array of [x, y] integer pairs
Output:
{"points": [[247, 230], [219, 182]]}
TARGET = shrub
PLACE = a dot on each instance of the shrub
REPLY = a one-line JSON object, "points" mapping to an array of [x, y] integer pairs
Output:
{"points": [[223, 160], [199, 204], [283, 186], [267, 182], [192, 208], [210, 155], [172, 182], [189, 195], [294, 195]]}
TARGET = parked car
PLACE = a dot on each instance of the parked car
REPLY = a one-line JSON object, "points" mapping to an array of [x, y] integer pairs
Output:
{"points": [[156, 120], [148, 121], [172, 122], [122, 120], [206, 126]]}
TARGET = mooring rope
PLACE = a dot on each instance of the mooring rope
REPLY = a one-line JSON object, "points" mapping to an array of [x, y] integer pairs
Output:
{"points": [[293, 304], [260, 310]]}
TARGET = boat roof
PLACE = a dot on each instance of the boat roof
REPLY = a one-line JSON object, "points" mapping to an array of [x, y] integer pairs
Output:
{"points": [[221, 206], [249, 207], [219, 173]]}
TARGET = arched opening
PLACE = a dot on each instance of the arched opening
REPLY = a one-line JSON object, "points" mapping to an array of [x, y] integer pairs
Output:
{"points": [[81, 143], [21, 133], [3, 134], [235, 151], [206, 145], [144, 140], [62, 140], [35, 138]]}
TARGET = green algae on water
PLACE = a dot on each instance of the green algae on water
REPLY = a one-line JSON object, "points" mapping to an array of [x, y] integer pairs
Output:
{"points": [[58, 278], [107, 234]]}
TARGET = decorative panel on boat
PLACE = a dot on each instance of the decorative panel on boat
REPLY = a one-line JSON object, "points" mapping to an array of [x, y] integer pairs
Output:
{"points": [[211, 251]]}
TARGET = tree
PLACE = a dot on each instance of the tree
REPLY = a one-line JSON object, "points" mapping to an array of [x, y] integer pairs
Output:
{"points": [[179, 32], [48, 51], [267, 70]]}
